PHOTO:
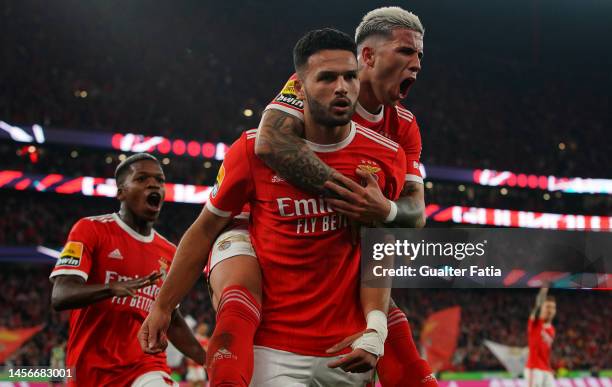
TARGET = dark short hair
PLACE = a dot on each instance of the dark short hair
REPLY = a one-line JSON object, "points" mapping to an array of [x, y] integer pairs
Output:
{"points": [[124, 167], [319, 40], [551, 299]]}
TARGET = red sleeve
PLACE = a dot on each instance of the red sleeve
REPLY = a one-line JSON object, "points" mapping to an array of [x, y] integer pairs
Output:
{"points": [[532, 324], [234, 184], [77, 255], [410, 140], [287, 100], [396, 180]]}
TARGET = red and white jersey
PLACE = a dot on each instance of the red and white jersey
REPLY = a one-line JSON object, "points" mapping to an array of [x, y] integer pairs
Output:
{"points": [[540, 337], [103, 347], [393, 122], [310, 268]]}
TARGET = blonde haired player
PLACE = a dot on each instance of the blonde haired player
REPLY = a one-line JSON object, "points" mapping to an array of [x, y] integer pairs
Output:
{"points": [[540, 335]]}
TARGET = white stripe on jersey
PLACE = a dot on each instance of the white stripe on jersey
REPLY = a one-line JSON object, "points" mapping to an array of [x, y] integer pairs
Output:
{"points": [[216, 211], [76, 272], [377, 137], [378, 141], [365, 134], [294, 112], [102, 218], [414, 178], [407, 118], [380, 136], [401, 109]]}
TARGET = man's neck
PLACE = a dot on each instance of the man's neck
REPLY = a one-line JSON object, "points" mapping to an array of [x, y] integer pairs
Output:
{"points": [[142, 227], [320, 134], [367, 99]]}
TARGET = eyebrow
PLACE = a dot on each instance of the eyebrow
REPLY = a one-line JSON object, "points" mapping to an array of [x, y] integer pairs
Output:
{"points": [[411, 48], [158, 174], [336, 73]]}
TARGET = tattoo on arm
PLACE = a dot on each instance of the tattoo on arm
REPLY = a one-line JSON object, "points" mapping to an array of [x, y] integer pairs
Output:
{"points": [[280, 146], [410, 206]]}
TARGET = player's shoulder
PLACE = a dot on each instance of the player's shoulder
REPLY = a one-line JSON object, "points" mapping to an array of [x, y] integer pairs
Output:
{"points": [[243, 147], [250, 135], [375, 140], [164, 243], [104, 218], [96, 221], [404, 116]]}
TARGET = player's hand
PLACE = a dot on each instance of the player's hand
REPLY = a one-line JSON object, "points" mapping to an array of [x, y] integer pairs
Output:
{"points": [[128, 288], [357, 361], [363, 204], [152, 334]]}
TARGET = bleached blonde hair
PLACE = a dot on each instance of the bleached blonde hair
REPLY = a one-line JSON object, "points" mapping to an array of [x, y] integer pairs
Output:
{"points": [[382, 21]]}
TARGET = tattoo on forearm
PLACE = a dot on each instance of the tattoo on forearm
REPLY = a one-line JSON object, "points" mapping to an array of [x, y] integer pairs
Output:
{"points": [[410, 208], [287, 153]]}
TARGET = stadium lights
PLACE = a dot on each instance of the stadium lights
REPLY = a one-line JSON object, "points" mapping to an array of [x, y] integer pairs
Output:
{"points": [[198, 194], [130, 142]]}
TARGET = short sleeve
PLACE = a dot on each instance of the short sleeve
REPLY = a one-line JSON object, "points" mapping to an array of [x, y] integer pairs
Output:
{"points": [[533, 324], [396, 180], [287, 100], [76, 257], [234, 184], [410, 140]]}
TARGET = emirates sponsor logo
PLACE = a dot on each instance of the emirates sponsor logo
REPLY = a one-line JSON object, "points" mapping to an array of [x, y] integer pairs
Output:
{"points": [[315, 216]]}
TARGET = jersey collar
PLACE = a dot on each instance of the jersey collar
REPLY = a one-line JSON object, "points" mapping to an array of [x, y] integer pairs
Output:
{"points": [[366, 115], [333, 147], [132, 232]]}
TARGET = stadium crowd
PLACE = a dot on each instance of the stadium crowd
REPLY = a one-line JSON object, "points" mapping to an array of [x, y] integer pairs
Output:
{"points": [[583, 340], [84, 66], [491, 110]]}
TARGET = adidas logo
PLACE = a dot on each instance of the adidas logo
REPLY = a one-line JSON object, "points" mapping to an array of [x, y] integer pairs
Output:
{"points": [[223, 353], [277, 179], [116, 254]]}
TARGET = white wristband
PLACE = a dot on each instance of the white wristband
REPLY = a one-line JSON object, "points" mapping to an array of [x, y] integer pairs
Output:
{"points": [[374, 342], [392, 212]]}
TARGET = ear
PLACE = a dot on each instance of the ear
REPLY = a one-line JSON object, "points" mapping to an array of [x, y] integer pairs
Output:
{"points": [[367, 56], [120, 193], [299, 89]]}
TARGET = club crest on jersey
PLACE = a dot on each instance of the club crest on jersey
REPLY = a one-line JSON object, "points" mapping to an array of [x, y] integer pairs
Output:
{"points": [[370, 167], [220, 177], [71, 254], [163, 267]]}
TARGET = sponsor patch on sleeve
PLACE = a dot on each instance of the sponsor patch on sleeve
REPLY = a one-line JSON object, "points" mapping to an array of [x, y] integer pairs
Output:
{"points": [[71, 254], [288, 95], [220, 177]]}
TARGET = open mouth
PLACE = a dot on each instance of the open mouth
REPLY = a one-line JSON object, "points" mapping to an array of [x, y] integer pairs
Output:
{"points": [[405, 86], [341, 103], [154, 199]]}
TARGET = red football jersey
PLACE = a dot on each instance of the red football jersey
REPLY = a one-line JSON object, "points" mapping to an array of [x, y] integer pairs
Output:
{"points": [[540, 338], [310, 267], [394, 122], [102, 346]]}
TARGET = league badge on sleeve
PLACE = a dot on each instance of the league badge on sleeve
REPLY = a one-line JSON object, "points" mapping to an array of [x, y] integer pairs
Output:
{"points": [[71, 254], [220, 177]]}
